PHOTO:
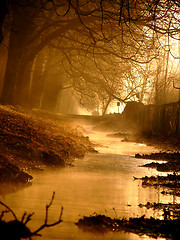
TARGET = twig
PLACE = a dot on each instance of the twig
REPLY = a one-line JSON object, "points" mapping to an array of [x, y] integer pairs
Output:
{"points": [[28, 218], [2, 214], [14, 215], [46, 218]]}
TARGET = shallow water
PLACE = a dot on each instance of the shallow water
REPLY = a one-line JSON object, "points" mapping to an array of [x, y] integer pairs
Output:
{"points": [[101, 183]]}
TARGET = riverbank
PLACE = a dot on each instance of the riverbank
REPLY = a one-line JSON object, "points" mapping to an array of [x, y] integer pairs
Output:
{"points": [[32, 140], [151, 227], [159, 141], [77, 189]]}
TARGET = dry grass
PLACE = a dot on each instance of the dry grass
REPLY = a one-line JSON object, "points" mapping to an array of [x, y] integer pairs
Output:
{"points": [[25, 137]]}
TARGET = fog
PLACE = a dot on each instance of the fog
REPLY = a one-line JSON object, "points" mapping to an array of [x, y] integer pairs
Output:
{"points": [[97, 183], [80, 75], [48, 56]]}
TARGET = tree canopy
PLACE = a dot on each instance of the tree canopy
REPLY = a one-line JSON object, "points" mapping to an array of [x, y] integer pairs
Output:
{"points": [[102, 45]]}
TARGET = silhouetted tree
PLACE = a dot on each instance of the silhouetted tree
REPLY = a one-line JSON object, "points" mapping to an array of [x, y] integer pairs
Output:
{"points": [[138, 23], [33, 32]]}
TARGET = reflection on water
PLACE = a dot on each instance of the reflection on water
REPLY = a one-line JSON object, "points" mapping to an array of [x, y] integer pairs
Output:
{"points": [[117, 146], [98, 183]]}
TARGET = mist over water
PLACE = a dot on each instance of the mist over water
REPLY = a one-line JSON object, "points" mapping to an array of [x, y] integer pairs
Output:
{"points": [[96, 58], [101, 183]]}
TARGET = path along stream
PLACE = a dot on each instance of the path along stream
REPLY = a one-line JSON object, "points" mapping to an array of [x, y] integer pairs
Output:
{"points": [[101, 183]]}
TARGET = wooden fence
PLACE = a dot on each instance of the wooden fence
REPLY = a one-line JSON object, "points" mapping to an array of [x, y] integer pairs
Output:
{"points": [[163, 119]]}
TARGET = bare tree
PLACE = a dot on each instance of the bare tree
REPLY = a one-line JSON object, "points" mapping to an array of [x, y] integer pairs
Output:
{"points": [[101, 25]]}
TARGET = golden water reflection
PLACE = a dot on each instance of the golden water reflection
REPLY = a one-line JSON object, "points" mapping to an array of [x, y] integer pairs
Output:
{"points": [[101, 183]]}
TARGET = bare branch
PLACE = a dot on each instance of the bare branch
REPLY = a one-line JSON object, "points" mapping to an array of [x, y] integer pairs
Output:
{"points": [[175, 86], [14, 215], [46, 218]]}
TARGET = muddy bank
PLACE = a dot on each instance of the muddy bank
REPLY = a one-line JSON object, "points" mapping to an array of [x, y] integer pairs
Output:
{"points": [[11, 173], [166, 156], [164, 142], [159, 141], [168, 149], [169, 184], [170, 210], [151, 227], [171, 164], [33, 140]]}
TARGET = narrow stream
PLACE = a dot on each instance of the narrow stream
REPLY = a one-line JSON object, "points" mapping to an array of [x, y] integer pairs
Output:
{"points": [[101, 183]]}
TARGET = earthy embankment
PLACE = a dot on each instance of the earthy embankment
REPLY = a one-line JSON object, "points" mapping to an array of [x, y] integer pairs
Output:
{"points": [[151, 227], [33, 140]]}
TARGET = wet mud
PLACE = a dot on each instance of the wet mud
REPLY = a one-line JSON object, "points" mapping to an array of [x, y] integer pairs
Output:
{"points": [[151, 227]]}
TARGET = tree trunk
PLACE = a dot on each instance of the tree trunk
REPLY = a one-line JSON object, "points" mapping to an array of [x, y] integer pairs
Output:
{"points": [[14, 55], [3, 13], [106, 105], [37, 82], [22, 89], [18, 47], [51, 94]]}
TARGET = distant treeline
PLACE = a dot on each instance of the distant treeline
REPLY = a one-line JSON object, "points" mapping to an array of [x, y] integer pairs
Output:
{"points": [[163, 119]]}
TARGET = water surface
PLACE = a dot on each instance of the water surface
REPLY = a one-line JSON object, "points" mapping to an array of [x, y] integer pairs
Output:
{"points": [[101, 183]]}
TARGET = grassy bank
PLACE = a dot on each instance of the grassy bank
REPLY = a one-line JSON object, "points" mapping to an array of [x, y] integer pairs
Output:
{"points": [[35, 139]]}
